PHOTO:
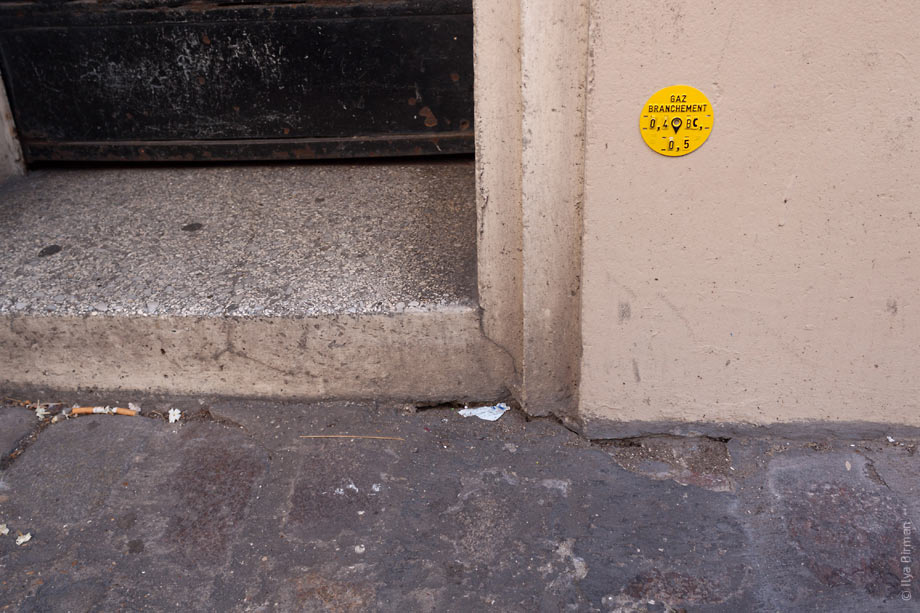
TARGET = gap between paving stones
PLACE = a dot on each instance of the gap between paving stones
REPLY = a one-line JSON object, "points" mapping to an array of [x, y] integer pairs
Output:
{"points": [[55, 414], [688, 459]]}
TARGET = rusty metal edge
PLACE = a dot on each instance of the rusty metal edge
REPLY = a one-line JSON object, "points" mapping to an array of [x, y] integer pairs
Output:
{"points": [[28, 15], [443, 143]]}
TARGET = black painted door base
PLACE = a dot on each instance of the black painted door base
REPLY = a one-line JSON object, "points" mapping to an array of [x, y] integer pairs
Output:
{"points": [[161, 80]]}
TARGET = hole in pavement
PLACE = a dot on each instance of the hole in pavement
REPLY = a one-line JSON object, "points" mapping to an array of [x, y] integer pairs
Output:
{"points": [[49, 250]]}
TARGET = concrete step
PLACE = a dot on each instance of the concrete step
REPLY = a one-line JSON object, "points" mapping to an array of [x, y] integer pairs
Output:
{"points": [[337, 280]]}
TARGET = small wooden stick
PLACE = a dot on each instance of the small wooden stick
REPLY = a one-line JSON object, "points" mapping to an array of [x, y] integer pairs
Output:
{"points": [[382, 438]]}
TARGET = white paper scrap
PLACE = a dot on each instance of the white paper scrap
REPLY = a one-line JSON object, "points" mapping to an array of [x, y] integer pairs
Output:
{"points": [[487, 413]]}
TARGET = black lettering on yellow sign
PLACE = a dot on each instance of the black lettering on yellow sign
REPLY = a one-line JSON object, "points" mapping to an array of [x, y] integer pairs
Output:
{"points": [[677, 108], [676, 120]]}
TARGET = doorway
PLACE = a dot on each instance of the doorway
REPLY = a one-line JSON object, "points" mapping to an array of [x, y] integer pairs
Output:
{"points": [[168, 80]]}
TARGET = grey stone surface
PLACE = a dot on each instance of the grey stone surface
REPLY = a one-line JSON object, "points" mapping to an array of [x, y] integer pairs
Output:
{"points": [[435, 355], [15, 424], [265, 240], [232, 510]]}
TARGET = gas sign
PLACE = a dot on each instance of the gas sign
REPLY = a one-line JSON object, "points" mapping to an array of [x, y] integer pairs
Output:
{"points": [[676, 120]]}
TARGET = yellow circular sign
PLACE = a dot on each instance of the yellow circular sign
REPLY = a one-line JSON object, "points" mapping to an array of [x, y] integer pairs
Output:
{"points": [[676, 120]]}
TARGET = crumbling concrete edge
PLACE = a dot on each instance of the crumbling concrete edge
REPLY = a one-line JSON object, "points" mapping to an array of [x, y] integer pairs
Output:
{"points": [[603, 430], [413, 356], [530, 114], [11, 161]]}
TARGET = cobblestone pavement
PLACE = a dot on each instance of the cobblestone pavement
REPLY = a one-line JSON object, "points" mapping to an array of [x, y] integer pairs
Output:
{"points": [[231, 510]]}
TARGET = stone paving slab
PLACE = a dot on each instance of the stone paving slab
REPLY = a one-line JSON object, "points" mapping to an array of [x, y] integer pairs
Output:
{"points": [[232, 511], [248, 240], [15, 424]]}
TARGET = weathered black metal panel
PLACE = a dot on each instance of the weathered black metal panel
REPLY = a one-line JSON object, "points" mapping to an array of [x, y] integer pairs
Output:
{"points": [[139, 79]]}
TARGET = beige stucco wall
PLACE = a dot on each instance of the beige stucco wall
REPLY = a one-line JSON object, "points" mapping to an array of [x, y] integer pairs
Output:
{"points": [[774, 274]]}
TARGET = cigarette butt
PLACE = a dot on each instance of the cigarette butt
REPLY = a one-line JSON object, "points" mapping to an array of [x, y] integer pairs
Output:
{"points": [[102, 411]]}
